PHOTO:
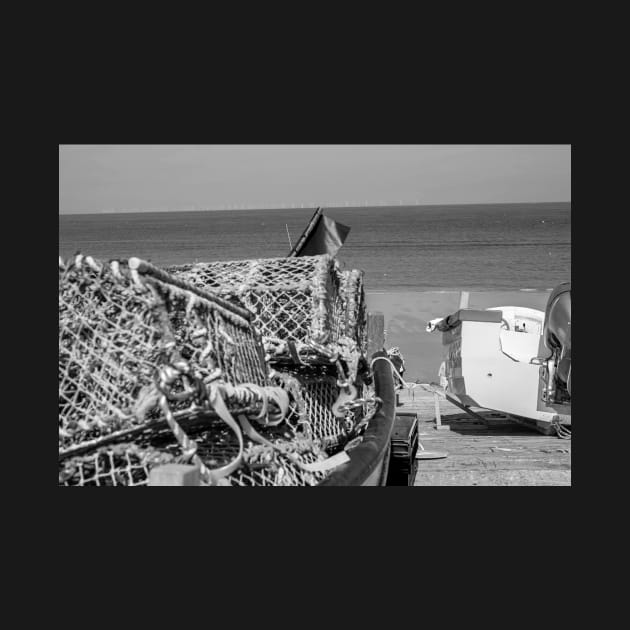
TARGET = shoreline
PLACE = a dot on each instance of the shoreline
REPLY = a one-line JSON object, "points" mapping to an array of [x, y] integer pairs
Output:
{"points": [[459, 290]]}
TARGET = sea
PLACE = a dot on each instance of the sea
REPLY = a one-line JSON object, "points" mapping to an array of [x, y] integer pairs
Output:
{"points": [[498, 247]]}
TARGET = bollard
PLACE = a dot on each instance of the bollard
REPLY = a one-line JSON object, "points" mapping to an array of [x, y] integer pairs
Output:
{"points": [[375, 333]]}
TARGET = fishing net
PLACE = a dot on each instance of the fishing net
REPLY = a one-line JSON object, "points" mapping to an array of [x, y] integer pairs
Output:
{"points": [[306, 309], [319, 394], [153, 370], [124, 464], [118, 326], [310, 434], [127, 463]]}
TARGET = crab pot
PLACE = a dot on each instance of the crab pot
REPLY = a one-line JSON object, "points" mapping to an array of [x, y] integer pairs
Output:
{"points": [[142, 351], [119, 325], [129, 461], [295, 301]]}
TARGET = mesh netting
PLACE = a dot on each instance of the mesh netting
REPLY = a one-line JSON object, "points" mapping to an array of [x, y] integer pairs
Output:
{"points": [[124, 464], [319, 411], [130, 463], [111, 340], [116, 329], [294, 299], [319, 394], [267, 468], [145, 358]]}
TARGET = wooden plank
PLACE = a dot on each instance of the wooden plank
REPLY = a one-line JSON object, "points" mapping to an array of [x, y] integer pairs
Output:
{"points": [[511, 449], [488, 436], [491, 461], [506, 449], [495, 478], [375, 332], [460, 445], [493, 439], [484, 447]]}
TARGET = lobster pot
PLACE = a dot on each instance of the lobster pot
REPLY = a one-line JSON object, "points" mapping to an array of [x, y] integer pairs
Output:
{"points": [[119, 325], [313, 413], [296, 299], [117, 464], [121, 462]]}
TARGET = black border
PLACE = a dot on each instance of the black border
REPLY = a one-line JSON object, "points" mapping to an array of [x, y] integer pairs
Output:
{"points": [[407, 108]]}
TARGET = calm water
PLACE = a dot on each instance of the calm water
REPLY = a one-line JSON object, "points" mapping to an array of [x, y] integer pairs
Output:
{"points": [[516, 246]]}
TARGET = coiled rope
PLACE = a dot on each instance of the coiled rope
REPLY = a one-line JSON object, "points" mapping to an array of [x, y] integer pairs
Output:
{"points": [[564, 433]]}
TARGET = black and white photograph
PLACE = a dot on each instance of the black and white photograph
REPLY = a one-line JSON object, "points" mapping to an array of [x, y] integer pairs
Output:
{"points": [[314, 315]]}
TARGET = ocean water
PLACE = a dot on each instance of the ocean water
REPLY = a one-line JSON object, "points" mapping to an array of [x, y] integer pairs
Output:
{"points": [[424, 248]]}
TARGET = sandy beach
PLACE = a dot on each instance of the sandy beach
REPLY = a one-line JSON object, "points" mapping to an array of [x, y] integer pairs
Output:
{"points": [[407, 313]]}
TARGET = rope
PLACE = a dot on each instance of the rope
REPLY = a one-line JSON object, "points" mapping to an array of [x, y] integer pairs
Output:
{"points": [[215, 393], [189, 447], [563, 433], [396, 372], [320, 466]]}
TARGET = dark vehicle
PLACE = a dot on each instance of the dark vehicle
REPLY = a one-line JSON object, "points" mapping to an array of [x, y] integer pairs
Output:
{"points": [[556, 353]]}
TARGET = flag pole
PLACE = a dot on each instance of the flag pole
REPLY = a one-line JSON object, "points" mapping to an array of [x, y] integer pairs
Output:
{"points": [[286, 225], [307, 231]]}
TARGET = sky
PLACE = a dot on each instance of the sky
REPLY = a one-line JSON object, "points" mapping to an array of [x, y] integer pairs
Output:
{"points": [[139, 178]]}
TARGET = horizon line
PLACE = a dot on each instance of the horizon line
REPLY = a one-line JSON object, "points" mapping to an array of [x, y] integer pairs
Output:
{"points": [[312, 207]]}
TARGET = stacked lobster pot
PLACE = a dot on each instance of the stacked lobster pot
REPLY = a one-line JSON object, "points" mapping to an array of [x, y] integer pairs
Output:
{"points": [[153, 370], [313, 321]]}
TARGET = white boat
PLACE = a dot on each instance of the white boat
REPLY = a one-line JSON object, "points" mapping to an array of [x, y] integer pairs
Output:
{"points": [[511, 359]]}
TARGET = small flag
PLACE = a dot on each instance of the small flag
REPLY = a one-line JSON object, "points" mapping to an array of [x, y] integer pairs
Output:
{"points": [[322, 235]]}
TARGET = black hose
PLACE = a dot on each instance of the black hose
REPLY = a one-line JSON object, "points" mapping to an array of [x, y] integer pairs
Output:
{"points": [[374, 447]]}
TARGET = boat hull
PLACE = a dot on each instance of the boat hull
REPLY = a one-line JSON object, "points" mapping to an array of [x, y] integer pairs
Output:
{"points": [[491, 365], [369, 461]]}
